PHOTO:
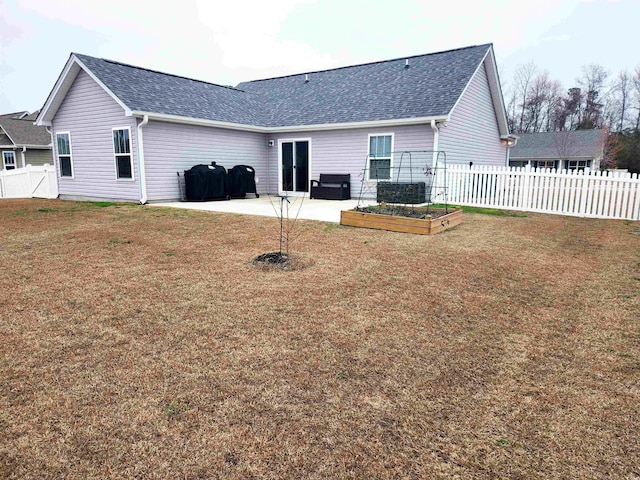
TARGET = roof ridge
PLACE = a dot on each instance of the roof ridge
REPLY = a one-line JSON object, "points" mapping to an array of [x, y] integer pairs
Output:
{"points": [[370, 63], [115, 62]]}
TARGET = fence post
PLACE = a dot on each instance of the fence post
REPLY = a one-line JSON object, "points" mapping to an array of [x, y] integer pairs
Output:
{"points": [[48, 180]]}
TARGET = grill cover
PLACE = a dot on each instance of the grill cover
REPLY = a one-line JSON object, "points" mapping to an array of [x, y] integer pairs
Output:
{"points": [[206, 182]]}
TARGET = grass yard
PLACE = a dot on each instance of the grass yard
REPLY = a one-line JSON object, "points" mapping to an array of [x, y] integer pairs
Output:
{"points": [[141, 342]]}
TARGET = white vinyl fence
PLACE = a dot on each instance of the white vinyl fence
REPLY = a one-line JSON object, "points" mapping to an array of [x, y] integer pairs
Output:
{"points": [[585, 193], [29, 182]]}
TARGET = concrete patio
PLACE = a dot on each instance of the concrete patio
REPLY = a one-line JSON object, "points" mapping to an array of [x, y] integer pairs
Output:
{"points": [[269, 206]]}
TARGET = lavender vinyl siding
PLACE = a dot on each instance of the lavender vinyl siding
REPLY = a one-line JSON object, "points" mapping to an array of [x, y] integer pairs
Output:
{"points": [[472, 134], [172, 147], [90, 114], [345, 151]]}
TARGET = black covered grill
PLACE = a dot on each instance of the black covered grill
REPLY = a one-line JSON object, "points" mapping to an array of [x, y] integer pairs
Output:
{"points": [[213, 182], [242, 180]]}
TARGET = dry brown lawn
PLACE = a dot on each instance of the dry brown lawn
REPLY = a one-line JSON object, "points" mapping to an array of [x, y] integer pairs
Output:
{"points": [[141, 342]]}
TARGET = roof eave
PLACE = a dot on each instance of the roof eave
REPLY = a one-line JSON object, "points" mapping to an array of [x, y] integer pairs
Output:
{"points": [[164, 117], [35, 146], [365, 124], [288, 128], [553, 157]]}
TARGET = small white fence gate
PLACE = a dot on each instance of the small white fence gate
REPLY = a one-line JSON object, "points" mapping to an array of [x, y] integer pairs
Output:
{"points": [[583, 193], [29, 182]]}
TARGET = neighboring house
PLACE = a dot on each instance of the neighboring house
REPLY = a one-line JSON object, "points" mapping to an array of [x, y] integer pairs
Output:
{"points": [[566, 150], [122, 132], [22, 143]]}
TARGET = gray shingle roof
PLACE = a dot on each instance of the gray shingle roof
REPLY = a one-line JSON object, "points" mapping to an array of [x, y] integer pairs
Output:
{"points": [[14, 114], [24, 132], [4, 140], [568, 144], [33, 116], [375, 91], [150, 91]]}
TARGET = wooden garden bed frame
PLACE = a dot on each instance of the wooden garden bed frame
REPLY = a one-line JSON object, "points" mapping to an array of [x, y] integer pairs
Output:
{"points": [[427, 226]]}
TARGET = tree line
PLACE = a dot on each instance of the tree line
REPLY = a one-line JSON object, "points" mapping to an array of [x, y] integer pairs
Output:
{"points": [[537, 103]]}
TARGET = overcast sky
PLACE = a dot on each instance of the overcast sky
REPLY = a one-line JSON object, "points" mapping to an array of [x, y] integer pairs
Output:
{"points": [[231, 41]]}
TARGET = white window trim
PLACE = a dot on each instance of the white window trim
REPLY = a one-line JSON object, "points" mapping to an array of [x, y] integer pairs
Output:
{"points": [[368, 172], [587, 165], [115, 155], [4, 162], [73, 170]]}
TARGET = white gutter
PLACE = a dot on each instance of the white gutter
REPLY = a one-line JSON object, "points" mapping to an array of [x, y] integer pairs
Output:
{"points": [[289, 128], [143, 177], [24, 160]]}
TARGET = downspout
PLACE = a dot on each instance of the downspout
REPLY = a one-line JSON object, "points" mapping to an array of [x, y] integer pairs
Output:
{"points": [[511, 142], [24, 159], [53, 149], [436, 141], [436, 138], [143, 177]]}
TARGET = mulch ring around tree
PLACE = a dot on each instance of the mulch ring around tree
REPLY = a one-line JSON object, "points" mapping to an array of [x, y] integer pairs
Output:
{"points": [[280, 261], [404, 211]]}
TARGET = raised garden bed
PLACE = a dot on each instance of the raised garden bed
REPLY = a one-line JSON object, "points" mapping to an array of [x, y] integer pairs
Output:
{"points": [[421, 221]]}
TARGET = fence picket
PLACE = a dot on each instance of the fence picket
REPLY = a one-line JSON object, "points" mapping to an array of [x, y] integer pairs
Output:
{"points": [[583, 193]]}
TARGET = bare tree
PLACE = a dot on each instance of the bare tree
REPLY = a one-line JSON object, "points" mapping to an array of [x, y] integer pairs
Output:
{"points": [[523, 77], [592, 83], [571, 108], [622, 94], [538, 96], [554, 102], [510, 97], [636, 87]]}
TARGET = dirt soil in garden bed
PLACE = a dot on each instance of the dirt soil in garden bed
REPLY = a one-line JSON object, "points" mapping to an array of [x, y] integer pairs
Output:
{"points": [[405, 211], [142, 342]]}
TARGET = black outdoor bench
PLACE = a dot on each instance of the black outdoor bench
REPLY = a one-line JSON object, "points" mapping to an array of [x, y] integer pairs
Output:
{"points": [[332, 186]]}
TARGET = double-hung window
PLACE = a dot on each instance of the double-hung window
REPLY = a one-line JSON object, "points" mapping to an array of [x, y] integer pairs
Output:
{"points": [[380, 159], [63, 144], [9, 160], [122, 153]]}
